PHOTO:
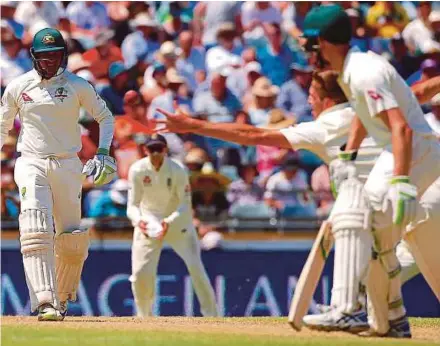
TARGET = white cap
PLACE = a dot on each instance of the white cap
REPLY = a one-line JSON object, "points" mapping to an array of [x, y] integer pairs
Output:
{"points": [[253, 66], [434, 16], [143, 19]]}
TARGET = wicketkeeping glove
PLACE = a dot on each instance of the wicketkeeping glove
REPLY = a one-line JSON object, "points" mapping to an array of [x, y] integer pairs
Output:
{"points": [[403, 197], [102, 167], [341, 169]]}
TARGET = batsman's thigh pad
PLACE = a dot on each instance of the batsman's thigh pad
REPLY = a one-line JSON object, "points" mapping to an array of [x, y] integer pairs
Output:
{"points": [[351, 227], [36, 239], [71, 250]]}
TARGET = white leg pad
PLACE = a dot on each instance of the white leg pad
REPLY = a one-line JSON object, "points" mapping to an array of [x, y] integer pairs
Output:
{"points": [[71, 250], [36, 239], [351, 227]]}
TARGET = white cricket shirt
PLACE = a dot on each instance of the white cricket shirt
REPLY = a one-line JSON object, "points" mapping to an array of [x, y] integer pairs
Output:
{"points": [[373, 85], [325, 135], [49, 112], [165, 193]]}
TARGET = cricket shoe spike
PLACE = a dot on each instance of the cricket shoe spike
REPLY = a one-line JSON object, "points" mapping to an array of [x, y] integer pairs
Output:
{"points": [[46, 312], [337, 321]]}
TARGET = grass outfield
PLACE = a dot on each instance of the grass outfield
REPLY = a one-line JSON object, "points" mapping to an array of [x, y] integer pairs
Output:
{"points": [[118, 331]]}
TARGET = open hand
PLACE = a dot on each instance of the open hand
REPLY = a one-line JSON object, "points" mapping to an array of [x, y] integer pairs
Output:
{"points": [[179, 122]]}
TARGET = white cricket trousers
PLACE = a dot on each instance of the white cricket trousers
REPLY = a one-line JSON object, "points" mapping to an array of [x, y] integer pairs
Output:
{"points": [[52, 185], [145, 258]]}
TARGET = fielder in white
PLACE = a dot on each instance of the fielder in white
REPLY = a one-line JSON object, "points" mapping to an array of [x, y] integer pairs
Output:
{"points": [[404, 186], [160, 208], [324, 137], [49, 172]]}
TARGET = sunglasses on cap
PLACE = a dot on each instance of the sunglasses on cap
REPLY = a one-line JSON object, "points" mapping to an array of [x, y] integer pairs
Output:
{"points": [[156, 148]]}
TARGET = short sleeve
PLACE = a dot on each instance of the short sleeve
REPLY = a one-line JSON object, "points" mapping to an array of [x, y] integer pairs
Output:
{"points": [[305, 136]]}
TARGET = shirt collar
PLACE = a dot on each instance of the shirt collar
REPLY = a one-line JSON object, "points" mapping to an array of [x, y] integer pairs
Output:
{"points": [[52, 80], [344, 74], [162, 168]]}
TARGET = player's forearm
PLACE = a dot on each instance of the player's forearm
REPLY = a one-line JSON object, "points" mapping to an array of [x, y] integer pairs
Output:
{"points": [[176, 215], [106, 129], [357, 135], [427, 90], [401, 138], [231, 132]]}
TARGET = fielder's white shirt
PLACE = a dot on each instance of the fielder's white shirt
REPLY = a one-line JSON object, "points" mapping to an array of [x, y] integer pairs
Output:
{"points": [[373, 85], [325, 135], [165, 194], [49, 111]]}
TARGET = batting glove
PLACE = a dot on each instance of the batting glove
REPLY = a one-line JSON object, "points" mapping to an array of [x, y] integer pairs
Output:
{"points": [[341, 169], [403, 197], [102, 167]]}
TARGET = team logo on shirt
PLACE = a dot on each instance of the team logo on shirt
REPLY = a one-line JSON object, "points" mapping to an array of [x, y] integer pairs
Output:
{"points": [[48, 39], [147, 180], [374, 95], [61, 94], [26, 98]]}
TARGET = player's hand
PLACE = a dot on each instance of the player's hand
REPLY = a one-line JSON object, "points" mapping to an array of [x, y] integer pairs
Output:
{"points": [[143, 227], [341, 169], [102, 167], [178, 122], [403, 197], [164, 231]]}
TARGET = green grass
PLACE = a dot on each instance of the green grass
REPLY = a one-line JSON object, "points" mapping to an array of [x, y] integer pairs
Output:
{"points": [[245, 332]]}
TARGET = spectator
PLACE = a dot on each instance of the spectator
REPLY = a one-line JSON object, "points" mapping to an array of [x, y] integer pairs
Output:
{"points": [[361, 37], [191, 62], [208, 198], [252, 71], [226, 53], [264, 94], [270, 158], [113, 93], [8, 10], [14, 59], [102, 55], [166, 100], [195, 159], [433, 118], [167, 56], [111, 203], [293, 94], [36, 15], [419, 34], [76, 63], [286, 191], [402, 61], [176, 21], [211, 15], [246, 196], [429, 69], [155, 85], [139, 47], [293, 14], [387, 18], [89, 15], [255, 14], [275, 56], [217, 105], [320, 183]]}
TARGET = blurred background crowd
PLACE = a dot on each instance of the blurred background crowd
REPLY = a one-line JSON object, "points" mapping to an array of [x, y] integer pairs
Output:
{"points": [[223, 62]]}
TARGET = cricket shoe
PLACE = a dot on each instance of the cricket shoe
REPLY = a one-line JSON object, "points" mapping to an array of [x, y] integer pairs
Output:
{"points": [[63, 309], [355, 322], [399, 329], [46, 312]]}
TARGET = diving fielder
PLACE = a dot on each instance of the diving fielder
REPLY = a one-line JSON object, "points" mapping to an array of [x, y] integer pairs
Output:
{"points": [[403, 187], [49, 172], [159, 206]]}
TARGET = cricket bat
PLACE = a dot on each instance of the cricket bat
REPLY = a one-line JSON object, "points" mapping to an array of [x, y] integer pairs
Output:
{"points": [[310, 276]]}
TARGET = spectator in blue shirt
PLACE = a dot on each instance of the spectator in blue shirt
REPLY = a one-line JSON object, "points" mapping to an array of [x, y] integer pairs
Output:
{"points": [[138, 48], [264, 95], [166, 100], [111, 203], [217, 105], [191, 62], [275, 57], [294, 93], [89, 15], [113, 94]]}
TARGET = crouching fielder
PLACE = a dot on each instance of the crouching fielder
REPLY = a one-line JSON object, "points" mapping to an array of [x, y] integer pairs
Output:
{"points": [[159, 206], [49, 172]]}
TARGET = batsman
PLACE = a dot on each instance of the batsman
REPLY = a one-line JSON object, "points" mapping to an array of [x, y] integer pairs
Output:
{"points": [[49, 174]]}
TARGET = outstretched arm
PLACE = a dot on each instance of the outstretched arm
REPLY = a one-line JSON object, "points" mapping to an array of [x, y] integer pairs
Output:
{"points": [[427, 90], [231, 132]]}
